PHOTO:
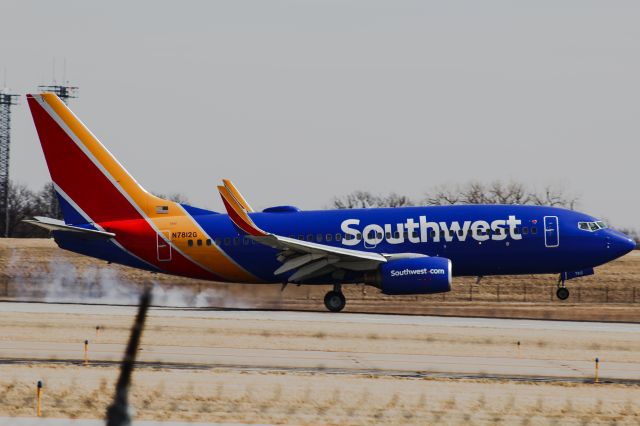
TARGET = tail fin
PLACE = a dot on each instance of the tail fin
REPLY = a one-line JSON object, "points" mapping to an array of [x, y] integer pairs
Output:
{"points": [[91, 184]]}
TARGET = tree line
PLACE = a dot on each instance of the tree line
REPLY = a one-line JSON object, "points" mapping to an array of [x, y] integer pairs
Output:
{"points": [[25, 203], [473, 192]]}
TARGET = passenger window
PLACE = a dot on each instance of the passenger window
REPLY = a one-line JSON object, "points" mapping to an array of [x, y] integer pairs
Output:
{"points": [[245, 241], [460, 232], [396, 235], [301, 237], [218, 241], [432, 234], [358, 236], [534, 230], [190, 243], [227, 241], [525, 230], [328, 237], [516, 231], [415, 234], [388, 235], [236, 241], [319, 238], [338, 237], [208, 242], [199, 242], [309, 237], [379, 235]]}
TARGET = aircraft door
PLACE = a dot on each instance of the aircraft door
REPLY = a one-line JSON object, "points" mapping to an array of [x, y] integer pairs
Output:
{"points": [[163, 246], [551, 232]]}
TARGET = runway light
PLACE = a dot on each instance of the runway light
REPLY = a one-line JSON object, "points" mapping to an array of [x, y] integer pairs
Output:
{"points": [[597, 370], [39, 398], [518, 345], [86, 352], [97, 330]]}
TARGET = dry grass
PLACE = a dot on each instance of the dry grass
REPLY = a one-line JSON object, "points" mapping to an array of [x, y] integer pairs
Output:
{"points": [[218, 396], [30, 268]]}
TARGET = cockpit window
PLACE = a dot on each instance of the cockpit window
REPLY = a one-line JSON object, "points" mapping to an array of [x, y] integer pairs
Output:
{"points": [[591, 226]]}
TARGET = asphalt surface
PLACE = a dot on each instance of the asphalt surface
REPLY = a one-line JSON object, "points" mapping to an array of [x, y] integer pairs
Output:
{"points": [[310, 360], [335, 361], [204, 313]]}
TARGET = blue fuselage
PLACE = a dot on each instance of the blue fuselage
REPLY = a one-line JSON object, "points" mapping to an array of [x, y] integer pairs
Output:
{"points": [[544, 240]]}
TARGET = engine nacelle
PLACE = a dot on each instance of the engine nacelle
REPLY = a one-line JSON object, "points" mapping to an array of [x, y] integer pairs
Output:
{"points": [[420, 275]]}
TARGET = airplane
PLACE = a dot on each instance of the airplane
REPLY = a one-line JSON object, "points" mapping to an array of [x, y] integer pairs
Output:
{"points": [[402, 251]]}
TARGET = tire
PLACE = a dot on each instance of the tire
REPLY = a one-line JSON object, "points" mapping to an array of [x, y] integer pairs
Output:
{"points": [[335, 301], [562, 293]]}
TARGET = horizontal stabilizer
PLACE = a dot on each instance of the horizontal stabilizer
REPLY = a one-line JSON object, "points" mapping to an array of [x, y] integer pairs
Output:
{"points": [[59, 225]]}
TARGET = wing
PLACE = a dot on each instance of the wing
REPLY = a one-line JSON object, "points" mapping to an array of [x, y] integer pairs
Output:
{"points": [[307, 258], [58, 225]]}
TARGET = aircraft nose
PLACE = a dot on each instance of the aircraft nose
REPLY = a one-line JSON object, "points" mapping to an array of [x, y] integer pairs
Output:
{"points": [[619, 243]]}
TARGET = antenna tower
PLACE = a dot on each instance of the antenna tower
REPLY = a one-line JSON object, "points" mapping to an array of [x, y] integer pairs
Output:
{"points": [[7, 100]]}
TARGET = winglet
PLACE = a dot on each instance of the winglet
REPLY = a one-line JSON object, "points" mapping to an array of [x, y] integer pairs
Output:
{"points": [[238, 213], [237, 195]]}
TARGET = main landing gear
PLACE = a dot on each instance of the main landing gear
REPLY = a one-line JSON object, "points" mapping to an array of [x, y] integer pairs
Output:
{"points": [[335, 300], [563, 292]]}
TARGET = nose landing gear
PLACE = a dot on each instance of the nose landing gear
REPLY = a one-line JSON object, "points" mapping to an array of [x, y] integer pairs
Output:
{"points": [[562, 292], [335, 300]]}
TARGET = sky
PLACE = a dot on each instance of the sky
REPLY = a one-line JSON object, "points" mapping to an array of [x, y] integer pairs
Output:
{"points": [[301, 101]]}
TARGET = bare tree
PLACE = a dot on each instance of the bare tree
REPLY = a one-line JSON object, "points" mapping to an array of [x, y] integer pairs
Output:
{"points": [[176, 197], [395, 200], [365, 199], [444, 195], [554, 197], [24, 204], [356, 200], [48, 202], [498, 192]]}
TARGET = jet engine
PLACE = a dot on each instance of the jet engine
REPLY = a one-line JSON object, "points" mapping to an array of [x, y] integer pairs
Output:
{"points": [[417, 275]]}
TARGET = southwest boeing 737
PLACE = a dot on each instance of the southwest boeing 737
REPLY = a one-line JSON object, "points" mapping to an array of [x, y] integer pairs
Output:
{"points": [[409, 250]]}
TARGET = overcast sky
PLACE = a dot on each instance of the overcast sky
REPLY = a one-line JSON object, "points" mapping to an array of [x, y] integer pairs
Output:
{"points": [[298, 101]]}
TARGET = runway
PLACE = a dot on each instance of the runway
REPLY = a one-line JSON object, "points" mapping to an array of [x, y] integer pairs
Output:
{"points": [[336, 360], [373, 319]]}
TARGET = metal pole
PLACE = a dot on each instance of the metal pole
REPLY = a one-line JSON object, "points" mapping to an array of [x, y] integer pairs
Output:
{"points": [[118, 412]]}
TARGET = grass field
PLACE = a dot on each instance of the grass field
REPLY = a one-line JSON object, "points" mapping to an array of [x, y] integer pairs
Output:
{"points": [[216, 394], [38, 270], [308, 399], [35, 269]]}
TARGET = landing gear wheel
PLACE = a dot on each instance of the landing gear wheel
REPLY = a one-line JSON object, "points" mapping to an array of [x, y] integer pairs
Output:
{"points": [[562, 293], [335, 301]]}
